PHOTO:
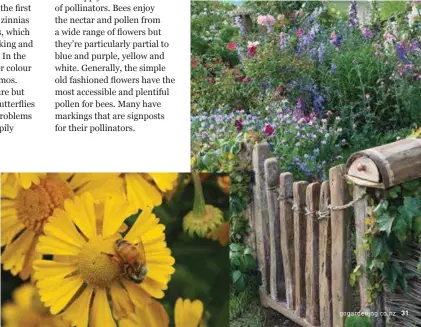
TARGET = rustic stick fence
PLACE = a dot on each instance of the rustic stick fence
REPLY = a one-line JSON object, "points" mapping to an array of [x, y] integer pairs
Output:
{"points": [[302, 231]]}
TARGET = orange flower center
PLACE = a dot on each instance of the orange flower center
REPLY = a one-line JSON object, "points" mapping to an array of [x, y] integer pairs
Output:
{"points": [[95, 266], [36, 204]]}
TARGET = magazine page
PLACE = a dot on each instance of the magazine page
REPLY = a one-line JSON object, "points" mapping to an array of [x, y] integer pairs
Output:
{"points": [[215, 163]]}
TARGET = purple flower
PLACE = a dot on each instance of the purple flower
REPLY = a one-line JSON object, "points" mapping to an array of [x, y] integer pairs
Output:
{"points": [[400, 49], [239, 22], [353, 15], [335, 39], [332, 68], [366, 33], [283, 40]]}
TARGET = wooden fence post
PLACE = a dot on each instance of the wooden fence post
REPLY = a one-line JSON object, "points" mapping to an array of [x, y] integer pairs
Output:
{"points": [[312, 254], [299, 190], [325, 260], [287, 235], [261, 216], [341, 247], [277, 284]]}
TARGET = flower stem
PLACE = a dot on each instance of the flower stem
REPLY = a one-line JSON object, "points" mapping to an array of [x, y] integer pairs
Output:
{"points": [[199, 199]]}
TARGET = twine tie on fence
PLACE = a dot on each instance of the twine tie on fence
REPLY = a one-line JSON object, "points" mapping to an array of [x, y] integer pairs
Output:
{"points": [[310, 213], [298, 209], [323, 214], [289, 200], [348, 205]]}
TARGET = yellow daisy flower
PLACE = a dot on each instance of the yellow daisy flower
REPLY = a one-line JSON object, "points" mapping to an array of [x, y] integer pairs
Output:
{"points": [[187, 314], [79, 285], [204, 217], [25, 211], [25, 180], [146, 189], [27, 310]]}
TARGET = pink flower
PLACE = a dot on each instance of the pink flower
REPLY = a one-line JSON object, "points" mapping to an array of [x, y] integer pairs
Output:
{"points": [[232, 46], [281, 17], [299, 32], [265, 20], [212, 80], [268, 130], [247, 80], [251, 48]]}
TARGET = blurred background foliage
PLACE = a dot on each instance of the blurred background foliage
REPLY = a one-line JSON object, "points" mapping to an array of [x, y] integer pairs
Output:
{"points": [[202, 265]]}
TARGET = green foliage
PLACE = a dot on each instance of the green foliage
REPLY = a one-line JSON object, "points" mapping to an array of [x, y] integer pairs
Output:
{"points": [[396, 221], [357, 321]]}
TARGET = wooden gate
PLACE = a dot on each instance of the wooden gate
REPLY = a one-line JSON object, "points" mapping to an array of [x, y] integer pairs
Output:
{"points": [[302, 238]]}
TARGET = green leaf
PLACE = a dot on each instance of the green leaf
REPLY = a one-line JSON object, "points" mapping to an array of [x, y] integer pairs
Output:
{"points": [[249, 262], [235, 247], [238, 280], [385, 222], [381, 208], [377, 246], [394, 192], [416, 225], [411, 207], [401, 228], [357, 321]]}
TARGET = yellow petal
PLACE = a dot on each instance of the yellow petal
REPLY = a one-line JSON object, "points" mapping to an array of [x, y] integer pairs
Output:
{"points": [[116, 210], [122, 306], [153, 288], [152, 315], [61, 226], [9, 229], [141, 193], [165, 181], [188, 313], [101, 313], [9, 191], [138, 296], [48, 268], [14, 255], [55, 246], [146, 221], [59, 297], [78, 311], [81, 210]]}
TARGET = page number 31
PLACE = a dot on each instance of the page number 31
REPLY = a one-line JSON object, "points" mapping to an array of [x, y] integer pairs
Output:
{"points": [[404, 312]]}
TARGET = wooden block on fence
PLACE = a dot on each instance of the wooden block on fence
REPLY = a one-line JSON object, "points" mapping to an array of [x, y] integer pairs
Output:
{"points": [[277, 283], [261, 215], [325, 262], [287, 235], [360, 214], [341, 247], [312, 254], [299, 192]]}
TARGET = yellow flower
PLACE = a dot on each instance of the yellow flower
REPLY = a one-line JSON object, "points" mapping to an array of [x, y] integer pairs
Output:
{"points": [[87, 273], [224, 183], [145, 189], [25, 211], [221, 233], [28, 311], [187, 314], [204, 217], [25, 180], [151, 315], [202, 224]]}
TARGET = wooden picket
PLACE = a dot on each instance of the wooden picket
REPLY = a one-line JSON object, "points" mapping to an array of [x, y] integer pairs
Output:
{"points": [[302, 231], [296, 249]]}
